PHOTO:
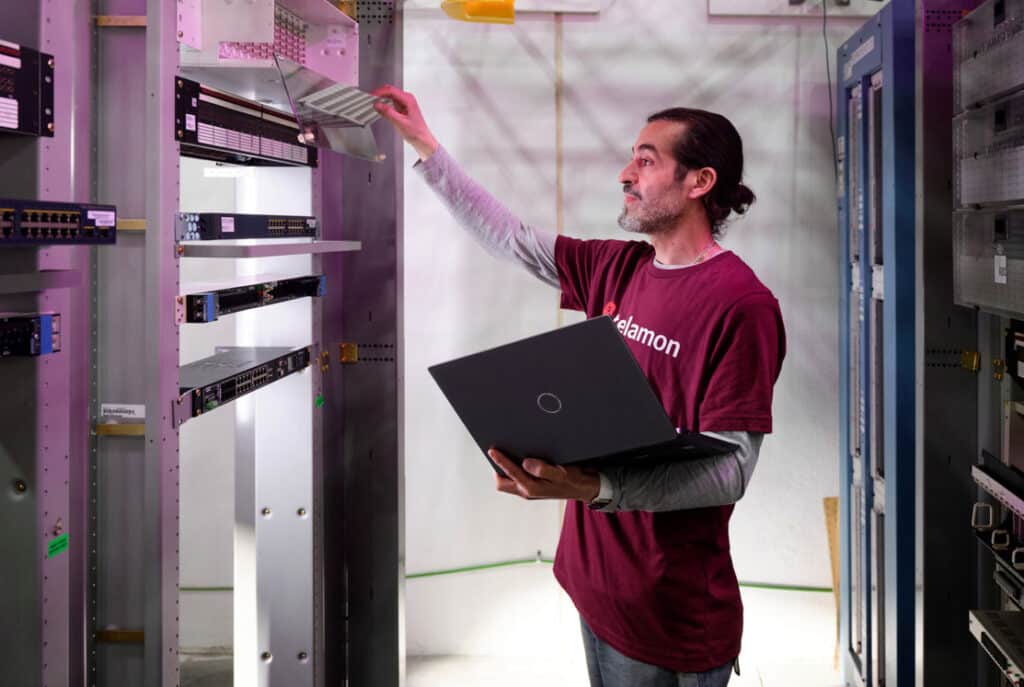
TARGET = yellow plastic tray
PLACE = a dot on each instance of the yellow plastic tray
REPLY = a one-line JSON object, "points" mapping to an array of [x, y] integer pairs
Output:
{"points": [[484, 11]]}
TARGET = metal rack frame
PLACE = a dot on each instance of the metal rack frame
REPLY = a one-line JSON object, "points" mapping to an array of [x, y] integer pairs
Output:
{"points": [[896, 303]]}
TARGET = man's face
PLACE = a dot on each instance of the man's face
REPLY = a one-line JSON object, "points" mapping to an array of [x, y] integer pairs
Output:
{"points": [[654, 198]]}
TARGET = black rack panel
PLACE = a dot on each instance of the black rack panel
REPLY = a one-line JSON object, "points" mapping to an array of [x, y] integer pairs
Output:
{"points": [[26, 90], [208, 306], [211, 226], [29, 334], [214, 125]]}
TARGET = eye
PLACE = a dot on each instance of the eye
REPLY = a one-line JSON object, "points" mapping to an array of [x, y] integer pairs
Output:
{"points": [[645, 162]]}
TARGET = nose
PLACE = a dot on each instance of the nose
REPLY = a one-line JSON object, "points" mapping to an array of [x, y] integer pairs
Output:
{"points": [[628, 173]]}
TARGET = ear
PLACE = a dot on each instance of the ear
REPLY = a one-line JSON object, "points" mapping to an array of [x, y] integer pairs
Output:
{"points": [[703, 181]]}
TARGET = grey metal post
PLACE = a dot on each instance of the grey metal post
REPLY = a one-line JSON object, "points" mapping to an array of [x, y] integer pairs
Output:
{"points": [[161, 370], [363, 468]]}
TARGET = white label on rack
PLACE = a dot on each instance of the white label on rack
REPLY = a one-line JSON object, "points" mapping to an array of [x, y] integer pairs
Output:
{"points": [[8, 61], [190, 122], [227, 225], [103, 218], [123, 410], [9, 113], [1000, 266], [866, 48]]}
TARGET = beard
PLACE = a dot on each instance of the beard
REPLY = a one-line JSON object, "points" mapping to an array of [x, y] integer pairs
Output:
{"points": [[651, 217]]}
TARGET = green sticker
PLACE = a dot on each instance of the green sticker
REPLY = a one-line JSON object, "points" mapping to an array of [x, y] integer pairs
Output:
{"points": [[319, 400], [57, 545]]}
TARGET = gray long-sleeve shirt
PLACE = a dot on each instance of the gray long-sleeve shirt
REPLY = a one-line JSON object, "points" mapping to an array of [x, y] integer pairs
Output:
{"points": [[716, 481]]}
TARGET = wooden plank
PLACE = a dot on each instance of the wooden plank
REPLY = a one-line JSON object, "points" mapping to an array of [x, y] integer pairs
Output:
{"points": [[120, 20], [131, 224], [121, 429], [120, 636]]}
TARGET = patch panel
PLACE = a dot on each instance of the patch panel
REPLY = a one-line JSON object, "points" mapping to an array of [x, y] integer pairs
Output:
{"points": [[37, 222], [211, 226], [215, 125], [29, 334]]}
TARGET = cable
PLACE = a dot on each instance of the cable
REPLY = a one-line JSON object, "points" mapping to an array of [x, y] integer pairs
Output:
{"points": [[831, 105], [548, 561]]}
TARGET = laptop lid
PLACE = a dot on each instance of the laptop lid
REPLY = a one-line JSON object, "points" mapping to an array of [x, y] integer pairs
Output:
{"points": [[572, 394]]}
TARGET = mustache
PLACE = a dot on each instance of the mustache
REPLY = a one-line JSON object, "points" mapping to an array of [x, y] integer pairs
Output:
{"points": [[628, 188]]}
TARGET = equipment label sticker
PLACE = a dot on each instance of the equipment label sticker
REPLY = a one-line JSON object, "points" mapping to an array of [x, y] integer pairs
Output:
{"points": [[1000, 269], [103, 218], [123, 410], [57, 545], [9, 113], [190, 122], [227, 225], [10, 54]]}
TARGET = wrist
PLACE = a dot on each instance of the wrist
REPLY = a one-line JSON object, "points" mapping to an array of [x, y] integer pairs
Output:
{"points": [[425, 147], [590, 488]]}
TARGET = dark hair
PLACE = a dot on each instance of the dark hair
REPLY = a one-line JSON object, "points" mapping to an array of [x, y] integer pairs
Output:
{"points": [[710, 140]]}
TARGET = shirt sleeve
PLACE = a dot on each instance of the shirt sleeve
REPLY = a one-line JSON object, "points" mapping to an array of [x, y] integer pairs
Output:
{"points": [[743, 366], [584, 267], [497, 228], [716, 481]]}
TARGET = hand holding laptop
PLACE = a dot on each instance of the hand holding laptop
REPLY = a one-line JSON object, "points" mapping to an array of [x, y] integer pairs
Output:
{"points": [[535, 479]]}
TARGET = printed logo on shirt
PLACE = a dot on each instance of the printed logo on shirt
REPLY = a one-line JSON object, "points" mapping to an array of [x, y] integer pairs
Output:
{"points": [[648, 337], [609, 308]]}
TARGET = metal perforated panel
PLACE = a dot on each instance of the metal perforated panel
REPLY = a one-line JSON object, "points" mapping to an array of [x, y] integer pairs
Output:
{"points": [[989, 49], [989, 267], [990, 153]]}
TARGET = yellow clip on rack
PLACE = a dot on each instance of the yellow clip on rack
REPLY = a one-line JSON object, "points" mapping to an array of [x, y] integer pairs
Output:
{"points": [[484, 11]]}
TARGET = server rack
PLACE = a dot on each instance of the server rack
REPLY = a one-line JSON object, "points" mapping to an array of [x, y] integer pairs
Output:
{"points": [[90, 434], [907, 405], [44, 415], [989, 280]]}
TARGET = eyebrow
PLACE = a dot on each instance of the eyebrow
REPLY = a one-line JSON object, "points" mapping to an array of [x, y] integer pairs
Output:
{"points": [[646, 146]]}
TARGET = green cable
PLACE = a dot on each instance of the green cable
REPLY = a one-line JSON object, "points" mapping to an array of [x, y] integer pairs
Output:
{"points": [[474, 568], [526, 561]]}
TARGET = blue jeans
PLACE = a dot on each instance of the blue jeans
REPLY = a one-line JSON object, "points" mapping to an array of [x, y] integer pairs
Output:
{"points": [[609, 668]]}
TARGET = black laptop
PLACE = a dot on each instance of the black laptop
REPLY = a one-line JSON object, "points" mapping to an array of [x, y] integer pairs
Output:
{"points": [[575, 395]]}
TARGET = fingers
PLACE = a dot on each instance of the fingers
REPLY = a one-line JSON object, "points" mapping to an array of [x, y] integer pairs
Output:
{"points": [[389, 113], [403, 102], [508, 466], [544, 471]]}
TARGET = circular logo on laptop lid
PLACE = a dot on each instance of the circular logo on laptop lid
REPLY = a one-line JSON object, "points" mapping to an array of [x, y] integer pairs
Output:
{"points": [[549, 403]]}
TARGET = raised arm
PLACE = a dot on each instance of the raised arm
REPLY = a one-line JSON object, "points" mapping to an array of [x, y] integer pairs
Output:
{"points": [[497, 229]]}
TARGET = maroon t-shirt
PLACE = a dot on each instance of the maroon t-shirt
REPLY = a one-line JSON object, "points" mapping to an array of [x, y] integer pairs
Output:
{"points": [[660, 587]]}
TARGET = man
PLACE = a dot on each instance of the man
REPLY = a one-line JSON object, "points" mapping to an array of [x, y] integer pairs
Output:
{"points": [[644, 552]]}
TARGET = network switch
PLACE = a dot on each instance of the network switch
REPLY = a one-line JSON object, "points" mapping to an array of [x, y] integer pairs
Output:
{"points": [[41, 222], [234, 372], [215, 125], [26, 90], [208, 306], [29, 334], [1001, 633], [206, 226]]}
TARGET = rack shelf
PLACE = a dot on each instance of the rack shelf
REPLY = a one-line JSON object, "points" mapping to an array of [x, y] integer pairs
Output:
{"points": [[39, 281], [263, 250]]}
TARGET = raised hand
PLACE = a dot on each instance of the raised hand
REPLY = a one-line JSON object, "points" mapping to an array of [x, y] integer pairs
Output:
{"points": [[402, 110]]}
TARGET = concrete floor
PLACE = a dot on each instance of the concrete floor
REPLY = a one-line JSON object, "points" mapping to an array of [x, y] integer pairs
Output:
{"points": [[789, 641]]}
